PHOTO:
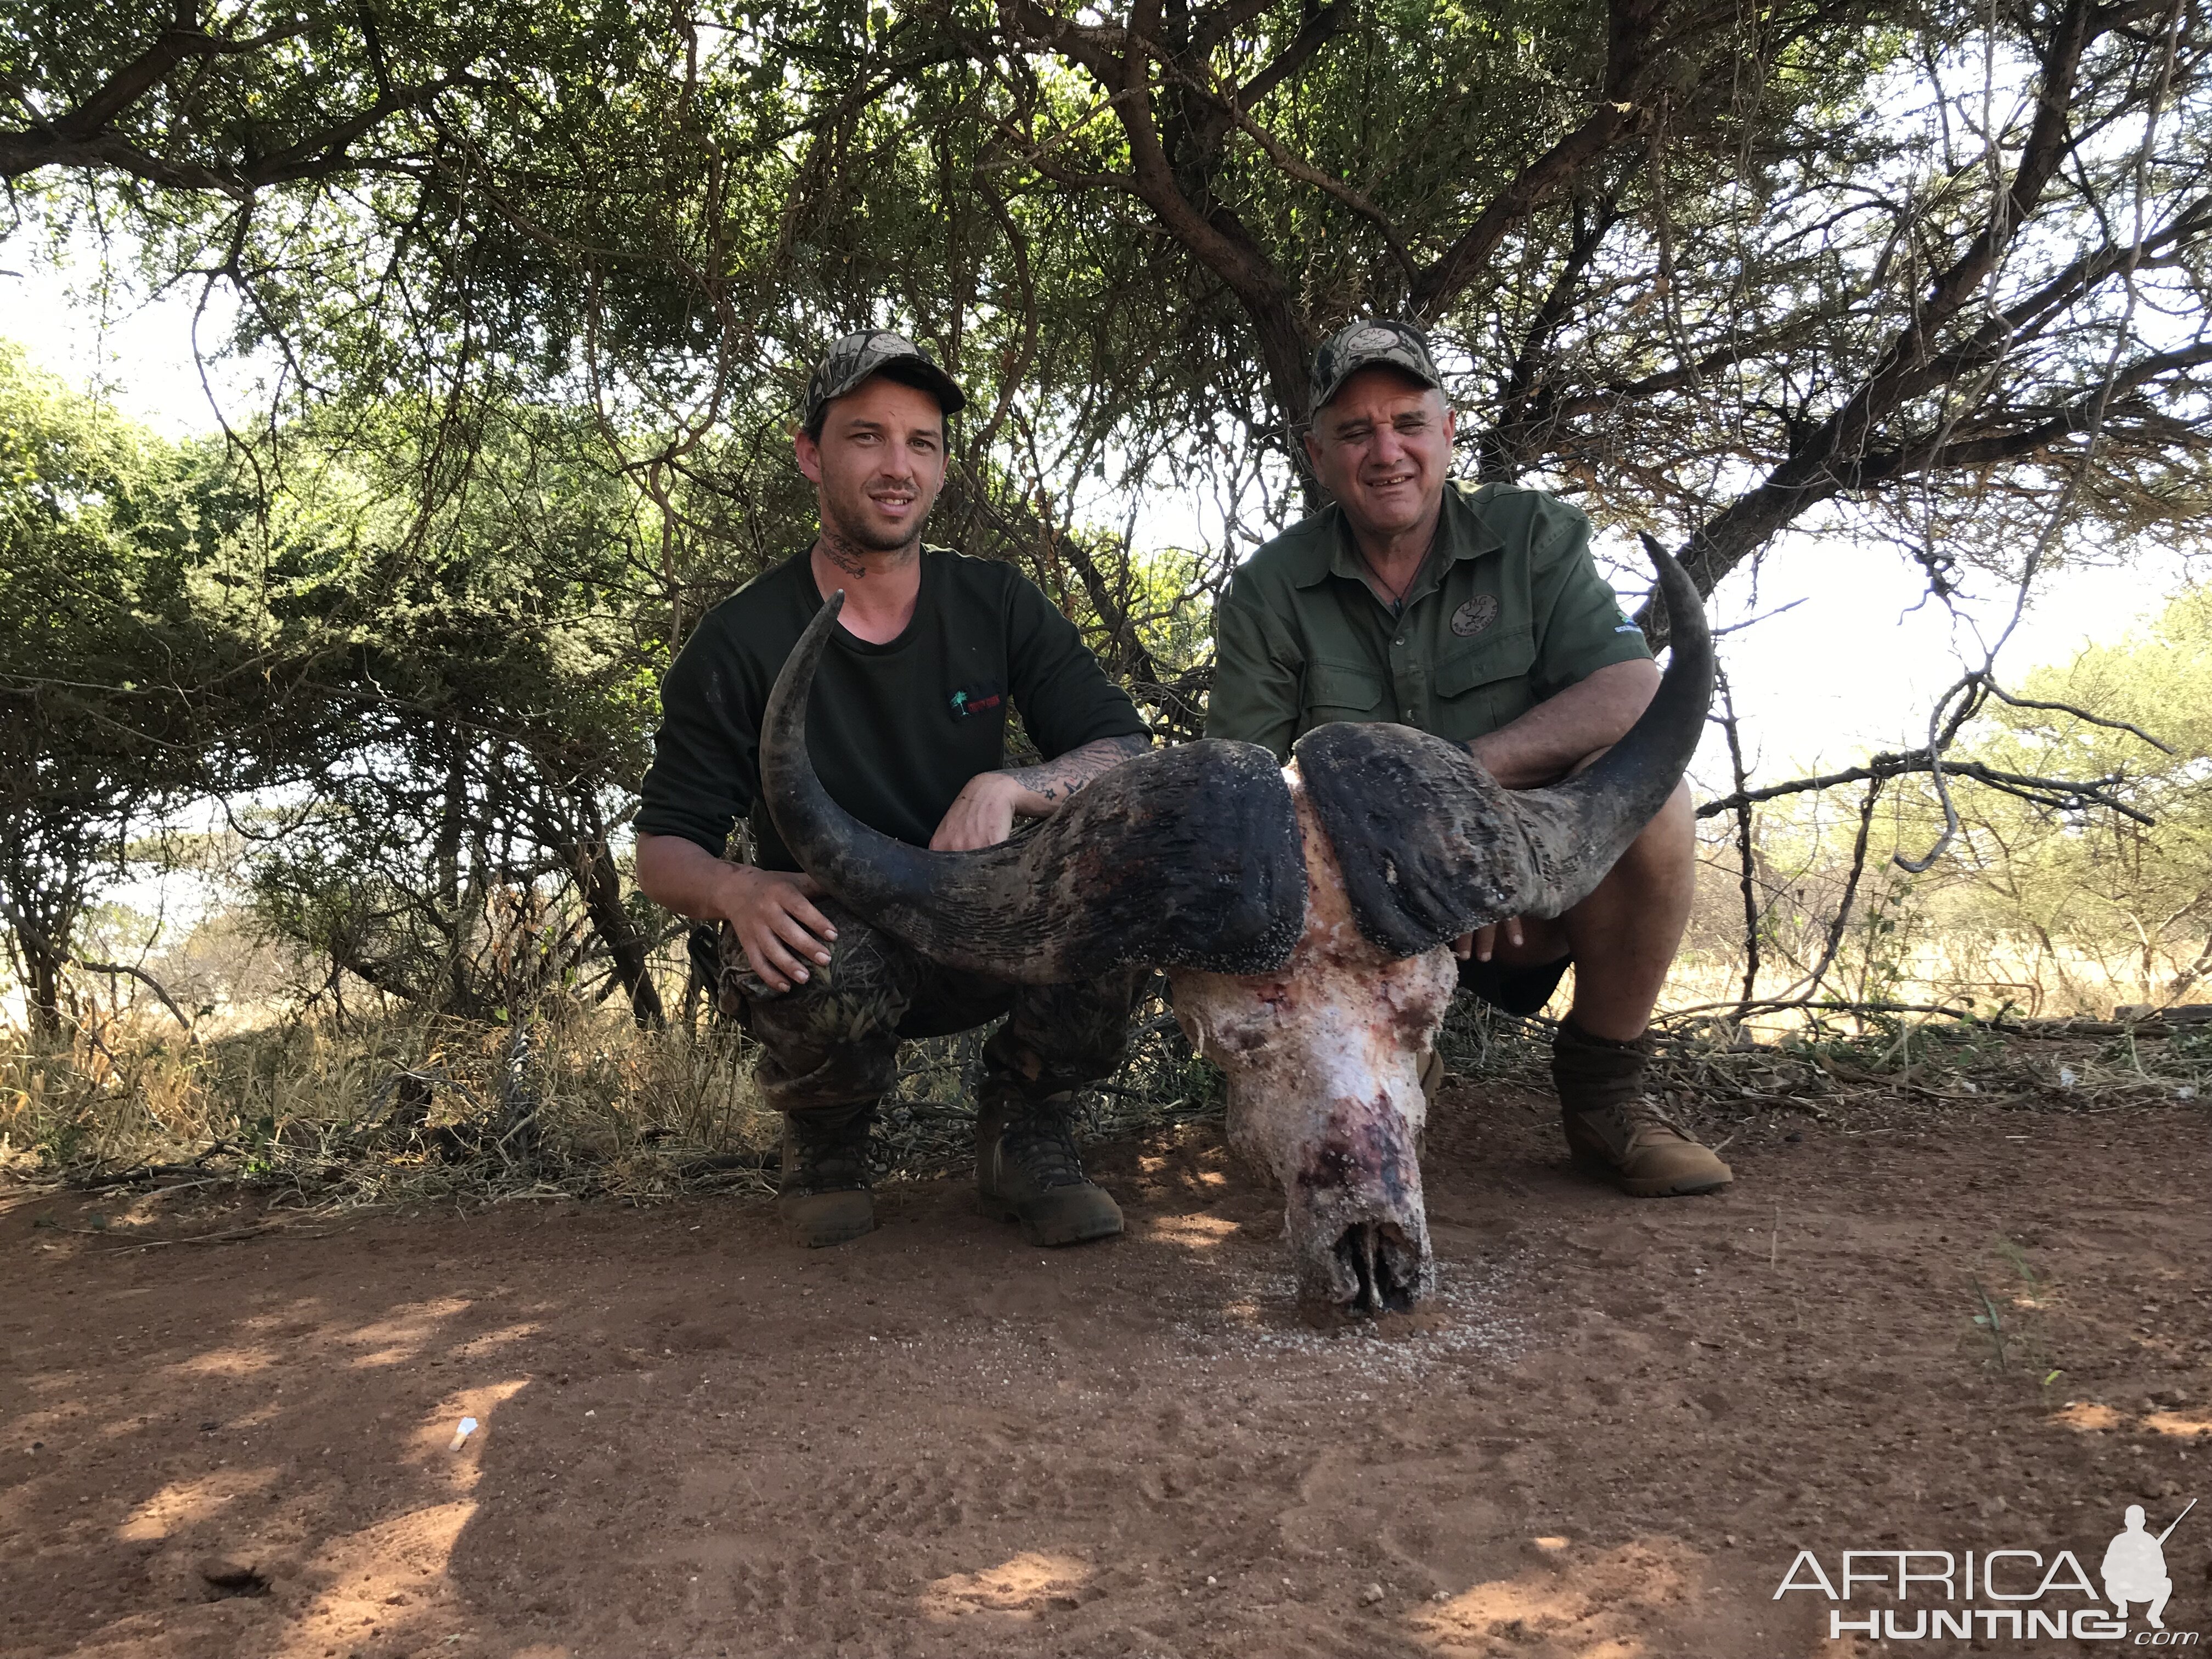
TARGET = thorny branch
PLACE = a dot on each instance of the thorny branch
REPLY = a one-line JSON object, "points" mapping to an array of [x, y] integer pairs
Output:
{"points": [[2058, 795], [1970, 688], [143, 978]]}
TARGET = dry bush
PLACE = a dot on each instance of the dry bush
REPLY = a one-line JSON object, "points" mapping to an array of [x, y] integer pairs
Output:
{"points": [[396, 1106], [391, 1106], [402, 1107]]}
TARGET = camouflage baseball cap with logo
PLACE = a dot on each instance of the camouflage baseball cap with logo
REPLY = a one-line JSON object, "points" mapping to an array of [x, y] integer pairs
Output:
{"points": [[874, 351], [1366, 345]]}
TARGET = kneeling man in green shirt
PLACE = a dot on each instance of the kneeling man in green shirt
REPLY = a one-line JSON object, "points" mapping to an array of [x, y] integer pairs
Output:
{"points": [[908, 731], [1476, 615]]}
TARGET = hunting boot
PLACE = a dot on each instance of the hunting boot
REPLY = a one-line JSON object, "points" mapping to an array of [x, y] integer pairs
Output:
{"points": [[1613, 1125], [824, 1198], [1028, 1170]]}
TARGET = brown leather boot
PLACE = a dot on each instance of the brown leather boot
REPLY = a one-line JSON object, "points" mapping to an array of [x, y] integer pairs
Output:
{"points": [[824, 1198], [1028, 1170], [1613, 1125]]}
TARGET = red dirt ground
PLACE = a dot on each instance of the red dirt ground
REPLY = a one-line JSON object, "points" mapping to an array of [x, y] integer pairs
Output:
{"points": [[697, 1439]]}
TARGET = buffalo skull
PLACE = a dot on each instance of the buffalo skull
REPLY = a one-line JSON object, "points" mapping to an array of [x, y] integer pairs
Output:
{"points": [[1303, 914]]}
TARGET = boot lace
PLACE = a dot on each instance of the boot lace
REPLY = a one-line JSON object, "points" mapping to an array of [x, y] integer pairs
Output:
{"points": [[1041, 1141], [830, 1159], [1640, 1112]]}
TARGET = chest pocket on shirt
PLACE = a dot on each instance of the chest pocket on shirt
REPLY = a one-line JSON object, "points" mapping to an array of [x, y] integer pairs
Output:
{"points": [[1335, 691], [1485, 686]]}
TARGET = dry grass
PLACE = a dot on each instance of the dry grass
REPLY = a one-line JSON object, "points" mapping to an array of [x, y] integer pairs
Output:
{"points": [[407, 1109], [1988, 974], [1859, 1067], [402, 1108]]}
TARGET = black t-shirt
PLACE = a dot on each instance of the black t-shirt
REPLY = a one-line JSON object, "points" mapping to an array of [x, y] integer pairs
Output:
{"points": [[896, 731]]}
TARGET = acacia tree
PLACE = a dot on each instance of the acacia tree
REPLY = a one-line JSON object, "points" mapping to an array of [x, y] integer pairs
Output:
{"points": [[1908, 278], [124, 678], [490, 679], [1717, 267]]}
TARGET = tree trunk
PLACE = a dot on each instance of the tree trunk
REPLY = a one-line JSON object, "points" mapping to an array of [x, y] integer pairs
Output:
{"points": [[600, 883], [39, 957], [43, 968], [445, 902]]}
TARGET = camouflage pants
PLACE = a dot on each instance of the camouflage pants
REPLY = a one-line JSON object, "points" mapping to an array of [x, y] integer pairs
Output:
{"points": [[829, 1045]]}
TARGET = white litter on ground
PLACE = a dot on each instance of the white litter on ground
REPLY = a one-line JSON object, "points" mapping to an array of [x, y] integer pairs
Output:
{"points": [[1255, 1311]]}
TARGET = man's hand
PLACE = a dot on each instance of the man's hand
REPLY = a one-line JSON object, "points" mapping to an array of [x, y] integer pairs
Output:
{"points": [[982, 813], [770, 909], [779, 928], [1484, 941]]}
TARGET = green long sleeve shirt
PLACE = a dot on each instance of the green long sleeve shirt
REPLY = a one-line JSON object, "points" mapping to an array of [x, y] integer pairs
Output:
{"points": [[1508, 612]]}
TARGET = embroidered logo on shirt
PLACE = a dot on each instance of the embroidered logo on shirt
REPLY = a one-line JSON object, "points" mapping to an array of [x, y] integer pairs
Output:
{"points": [[1477, 614], [978, 699]]}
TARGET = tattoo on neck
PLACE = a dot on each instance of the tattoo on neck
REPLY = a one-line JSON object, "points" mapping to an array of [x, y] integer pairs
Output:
{"points": [[855, 562]]}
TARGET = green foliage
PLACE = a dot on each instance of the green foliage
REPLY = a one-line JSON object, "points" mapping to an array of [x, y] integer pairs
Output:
{"points": [[494, 657], [2081, 879], [117, 655], [536, 287], [1656, 245], [430, 714]]}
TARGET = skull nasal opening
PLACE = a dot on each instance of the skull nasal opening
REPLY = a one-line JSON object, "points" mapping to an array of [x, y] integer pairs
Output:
{"points": [[1383, 1267]]}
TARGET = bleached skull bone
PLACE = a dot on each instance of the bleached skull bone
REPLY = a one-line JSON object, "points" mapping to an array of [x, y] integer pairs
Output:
{"points": [[1302, 913], [1323, 1063]]}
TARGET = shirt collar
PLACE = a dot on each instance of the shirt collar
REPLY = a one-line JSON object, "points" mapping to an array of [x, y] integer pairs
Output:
{"points": [[1462, 530]]}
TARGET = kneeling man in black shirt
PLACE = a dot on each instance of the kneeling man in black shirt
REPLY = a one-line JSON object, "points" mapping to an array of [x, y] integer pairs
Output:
{"points": [[907, 730]]}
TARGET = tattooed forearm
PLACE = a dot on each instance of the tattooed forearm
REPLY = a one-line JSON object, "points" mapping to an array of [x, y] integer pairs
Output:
{"points": [[983, 813], [1056, 781]]}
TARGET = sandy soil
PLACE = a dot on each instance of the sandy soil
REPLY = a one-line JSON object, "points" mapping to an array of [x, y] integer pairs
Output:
{"points": [[697, 1439]]}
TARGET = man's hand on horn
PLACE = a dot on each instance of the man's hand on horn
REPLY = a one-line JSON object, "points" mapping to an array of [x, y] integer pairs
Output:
{"points": [[776, 920], [1483, 941], [982, 813]]}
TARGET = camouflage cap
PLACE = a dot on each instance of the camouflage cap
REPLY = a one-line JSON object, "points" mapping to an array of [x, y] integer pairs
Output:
{"points": [[1367, 344], [873, 352]]}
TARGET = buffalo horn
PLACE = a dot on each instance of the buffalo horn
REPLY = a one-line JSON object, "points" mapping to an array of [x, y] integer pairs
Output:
{"points": [[1432, 848], [1182, 857]]}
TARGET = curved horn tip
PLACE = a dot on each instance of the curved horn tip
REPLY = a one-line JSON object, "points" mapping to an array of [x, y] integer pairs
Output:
{"points": [[1662, 559]]}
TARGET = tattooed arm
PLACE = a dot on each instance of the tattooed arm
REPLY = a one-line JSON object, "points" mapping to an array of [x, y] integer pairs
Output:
{"points": [[983, 813]]}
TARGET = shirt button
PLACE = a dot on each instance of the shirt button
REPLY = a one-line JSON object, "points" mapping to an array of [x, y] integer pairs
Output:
{"points": [[1401, 640]]}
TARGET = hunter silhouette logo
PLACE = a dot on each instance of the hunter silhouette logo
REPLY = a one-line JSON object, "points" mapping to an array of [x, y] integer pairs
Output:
{"points": [[2002, 1595], [2134, 1565]]}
